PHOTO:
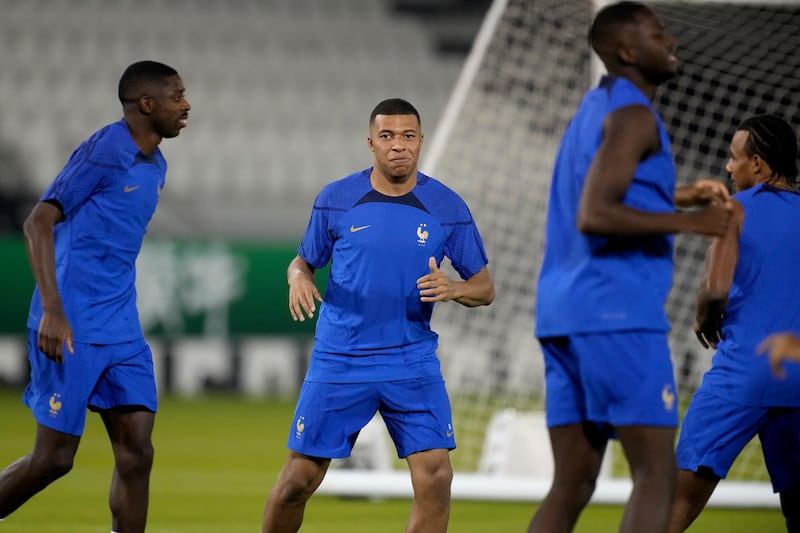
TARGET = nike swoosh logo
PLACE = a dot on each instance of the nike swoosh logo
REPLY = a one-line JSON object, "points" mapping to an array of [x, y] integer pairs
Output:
{"points": [[354, 229], [128, 188]]}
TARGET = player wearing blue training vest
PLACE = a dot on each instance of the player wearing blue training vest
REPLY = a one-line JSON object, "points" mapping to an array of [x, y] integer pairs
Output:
{"points": [[605, 276], [384, 231], [83, 238], [750, 289]]}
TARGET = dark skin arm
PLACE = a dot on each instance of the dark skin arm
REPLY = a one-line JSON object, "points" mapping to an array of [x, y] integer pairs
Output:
{"points": [[712, 296], [302, 291], [630, 135], [437, 287], [54, 328], [701, 192]]}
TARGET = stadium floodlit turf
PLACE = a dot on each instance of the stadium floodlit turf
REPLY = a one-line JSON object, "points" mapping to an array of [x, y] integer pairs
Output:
{"points": [[216, 458]]}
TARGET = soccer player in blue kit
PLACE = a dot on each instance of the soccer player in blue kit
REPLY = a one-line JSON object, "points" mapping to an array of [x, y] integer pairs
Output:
{"points": [[750, 289], [85, 342], [384, 231], [605, 277]]}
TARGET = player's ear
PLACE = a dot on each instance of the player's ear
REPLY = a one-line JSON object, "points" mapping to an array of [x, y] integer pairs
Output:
{"points": [[146, 104], [370, 145], [758, 165], [626, 55]]}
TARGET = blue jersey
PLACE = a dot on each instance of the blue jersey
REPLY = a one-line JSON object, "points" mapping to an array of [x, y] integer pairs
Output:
{"points": [[372, 325], [764, 298], [108, 192], [592, 284]]}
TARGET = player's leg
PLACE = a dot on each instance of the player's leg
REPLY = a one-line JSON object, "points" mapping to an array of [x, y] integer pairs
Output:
{"points": [[691, 495], [650, 455], [418, 417], [713, 433], [790, 506], [326, 423], [57, 396], [780, 442], [286, 503], [578, 451], [431, 477], [629, 383], [126, 398], [578, 446], [130, 431], [51, 458]]}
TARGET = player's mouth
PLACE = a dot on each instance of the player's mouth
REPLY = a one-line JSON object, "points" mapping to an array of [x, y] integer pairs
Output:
{"points": [[183, 121]]}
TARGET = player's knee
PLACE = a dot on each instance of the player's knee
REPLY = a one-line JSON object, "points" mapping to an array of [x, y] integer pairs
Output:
{"points": [[294, 490], [437, 477], [575, 492], [52, 466], [134, 460]]}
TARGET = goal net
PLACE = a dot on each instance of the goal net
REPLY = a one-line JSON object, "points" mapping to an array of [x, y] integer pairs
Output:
{"points": [[529, 67]]}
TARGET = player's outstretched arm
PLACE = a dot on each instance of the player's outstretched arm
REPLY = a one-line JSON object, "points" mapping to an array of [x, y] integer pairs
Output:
{"points": [[780, 347], [630, 135], [701, 192], [302, 291], [54, 329], [473, 292]]}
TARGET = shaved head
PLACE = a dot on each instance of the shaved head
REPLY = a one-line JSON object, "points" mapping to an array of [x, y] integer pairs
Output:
{"points": [[605, 30], [139, 76]]}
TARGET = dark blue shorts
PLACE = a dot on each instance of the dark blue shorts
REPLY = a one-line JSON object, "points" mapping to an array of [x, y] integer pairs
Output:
{"points": [[715, 431], [329, 416], [611, 379], [96, 376]]}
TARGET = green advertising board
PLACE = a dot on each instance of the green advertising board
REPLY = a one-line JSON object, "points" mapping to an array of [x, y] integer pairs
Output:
{"points": [[186, 287]]}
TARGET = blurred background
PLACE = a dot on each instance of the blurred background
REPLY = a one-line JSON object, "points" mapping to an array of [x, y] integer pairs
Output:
{"points": [[281, 92]]}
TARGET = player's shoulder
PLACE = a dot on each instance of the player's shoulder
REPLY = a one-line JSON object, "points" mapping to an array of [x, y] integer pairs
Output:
{"points": [[111, 145], [344, 191], [429, 185], [437, 196]]}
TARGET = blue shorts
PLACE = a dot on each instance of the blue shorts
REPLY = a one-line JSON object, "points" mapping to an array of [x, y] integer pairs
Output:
{"points": [[716, 430], [329, 416], [95, 376], [612, 379]]}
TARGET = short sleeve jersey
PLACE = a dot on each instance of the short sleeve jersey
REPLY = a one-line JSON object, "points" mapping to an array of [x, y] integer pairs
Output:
{"points": [[372, 325], [764, 298], [593, 284], [108, 192]]}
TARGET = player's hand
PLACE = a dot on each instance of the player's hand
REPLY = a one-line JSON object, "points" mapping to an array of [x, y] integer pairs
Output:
{"points": [[709, 332], [436, 286], [54, 333], [780, 347], [706, 191], [302, 294]]}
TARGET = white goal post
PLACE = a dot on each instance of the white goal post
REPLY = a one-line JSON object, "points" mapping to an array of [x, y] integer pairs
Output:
{"points": [[529, 67]]}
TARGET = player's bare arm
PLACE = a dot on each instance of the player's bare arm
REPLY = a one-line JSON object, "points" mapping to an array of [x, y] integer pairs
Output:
{"points": [[437, 287], [302, 291], [701, 192], [780, 347], [630, 135], [712, 296], [54, 328]]}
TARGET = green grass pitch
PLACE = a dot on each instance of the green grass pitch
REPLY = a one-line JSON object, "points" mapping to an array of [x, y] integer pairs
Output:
{"points": [[216, 459]]}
